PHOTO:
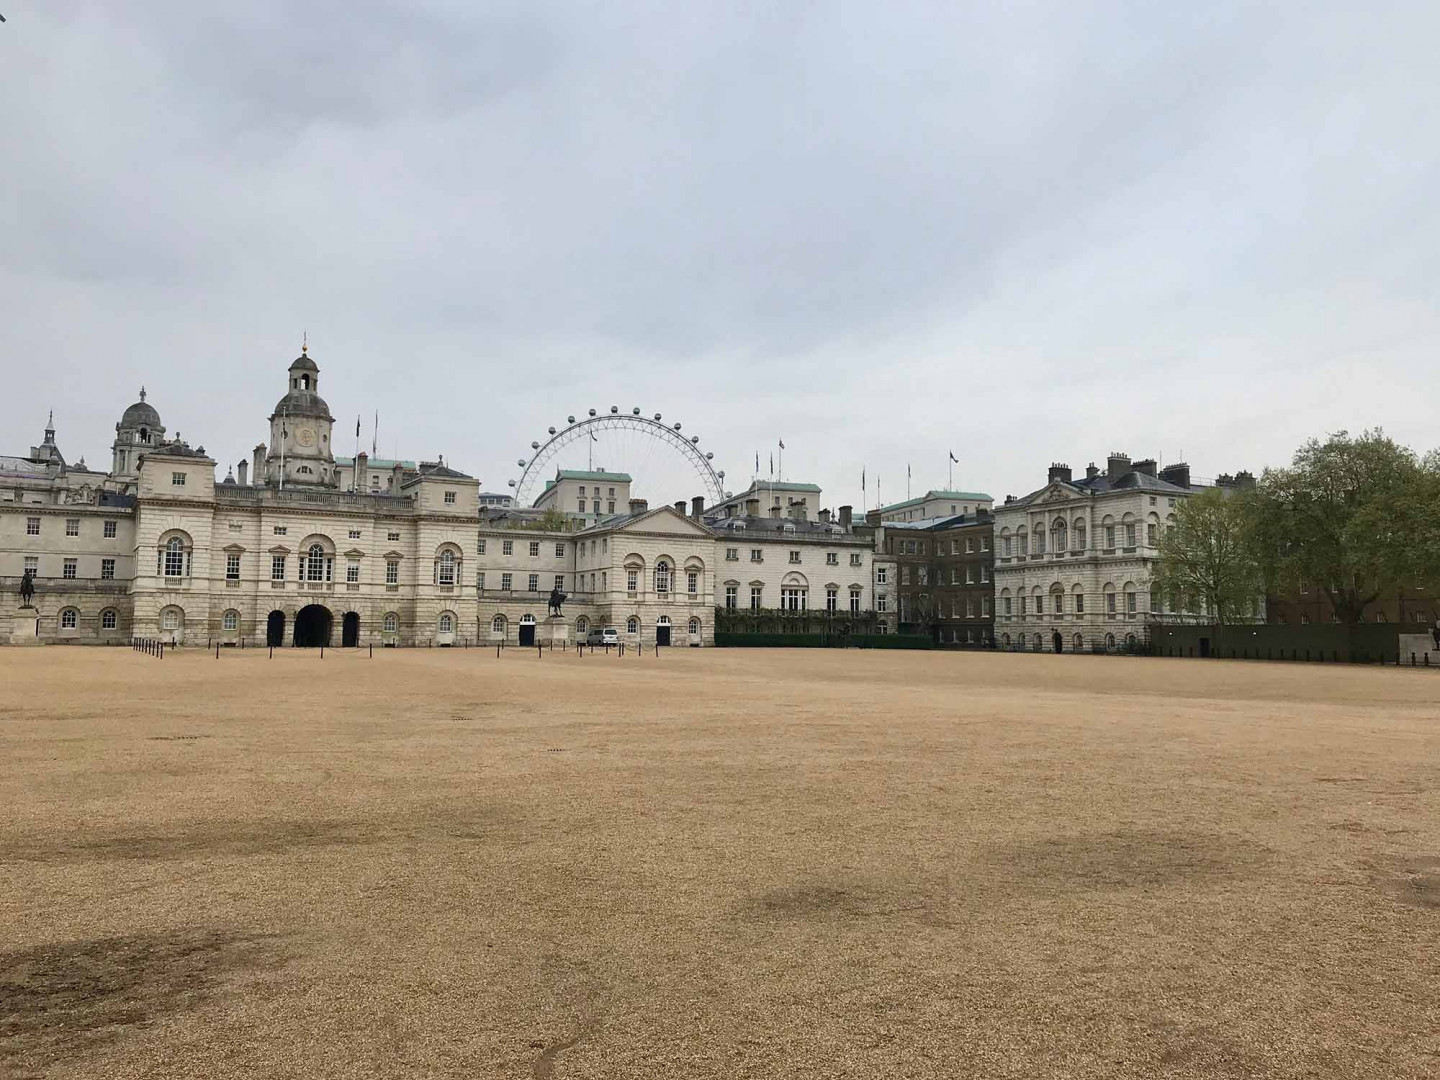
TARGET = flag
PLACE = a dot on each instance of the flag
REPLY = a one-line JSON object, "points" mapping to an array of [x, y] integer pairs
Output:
{"points": [[907, 470], [772, 464], [593, 438], [954, 458], [283, 433], [375, 435], [862, 479], [357, 425], [782, 444], [757, 462]]}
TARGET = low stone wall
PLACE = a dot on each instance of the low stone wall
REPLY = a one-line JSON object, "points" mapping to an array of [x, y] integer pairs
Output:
{"points": [[1363, 643]]}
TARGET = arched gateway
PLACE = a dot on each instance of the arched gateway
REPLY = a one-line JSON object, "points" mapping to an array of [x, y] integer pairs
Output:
{"points": [[312, 626]]}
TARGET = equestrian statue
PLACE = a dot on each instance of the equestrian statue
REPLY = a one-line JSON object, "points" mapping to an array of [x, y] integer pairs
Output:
{"points": [[556, 599]]}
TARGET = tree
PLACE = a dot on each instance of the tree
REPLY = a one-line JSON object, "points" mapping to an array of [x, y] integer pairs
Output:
{"points": [[1209, 554], [1354, 516]]}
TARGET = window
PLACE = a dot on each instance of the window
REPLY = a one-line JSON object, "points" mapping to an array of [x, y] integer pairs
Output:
{"points": [[69, 618], [107, 569], [632, 625], [170, 619], [1150, 531], [632, 581], [1130, 603], [882, 575], [449, 501], [391, 623], [1109, 536], [507, 547], [480, 546], [232, 566], [317, 566], [984, 574], [534, 583], [662, 577], [970, 575], [794, 556], [832, 558], [505, 582], [1130, 535], [480, 579], [445, 571], [692, 581], [230, 620], [392, 571], [1006, 606], [985, 607], [756, 592], [732, 599], [534, 549], [905, 574], [1005, 546], [984, 543], [969, 544], [1039, 604], [174, 557], [72, 526], [694, 627], [792, 599], [1110, 603], [177, 479], [580, 507], [1023, 600], [32, 526], [882, 605], [559, 551], [922, 575], [281, 530], [832, 599], [560, 582], [32, 563], [855, 559], [1079, 535], [610, 506], [447, 621], [277, 567], [352, 571], [497, 624], [1079, 603], [756, 555], [392, 536], [108, 619], [854, 600]]}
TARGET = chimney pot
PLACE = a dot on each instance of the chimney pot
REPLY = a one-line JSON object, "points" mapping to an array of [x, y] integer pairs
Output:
{"points": [[1117, 465], [752, 507], [824, 516], [845, 517], [639, 506], [1059, 471], [243, 468], [697, 507], [1090, 473]]}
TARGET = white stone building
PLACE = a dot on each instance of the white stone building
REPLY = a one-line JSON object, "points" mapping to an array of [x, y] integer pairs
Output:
{"points": [[937, 504], [1073, 560], [587, 495]]}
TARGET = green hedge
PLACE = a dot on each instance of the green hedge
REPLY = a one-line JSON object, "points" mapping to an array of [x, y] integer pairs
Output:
{"points": [[820, 641]]}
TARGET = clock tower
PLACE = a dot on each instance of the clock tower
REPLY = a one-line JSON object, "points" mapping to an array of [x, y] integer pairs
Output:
{"points": [[300, 431]]}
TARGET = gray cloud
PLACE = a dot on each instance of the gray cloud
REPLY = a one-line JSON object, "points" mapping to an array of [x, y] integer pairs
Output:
{"points": [[881, 232]]}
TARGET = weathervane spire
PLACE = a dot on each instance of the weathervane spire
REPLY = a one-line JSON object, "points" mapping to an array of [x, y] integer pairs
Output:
{"points": [[304, 343]]}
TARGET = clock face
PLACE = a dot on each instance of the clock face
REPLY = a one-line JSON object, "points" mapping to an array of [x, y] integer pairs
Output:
{"points": [[305, 436]]}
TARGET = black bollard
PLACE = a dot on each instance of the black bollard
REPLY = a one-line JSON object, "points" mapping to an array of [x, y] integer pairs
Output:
{"points": [[272, 652], [372, 650], [217, 650]]}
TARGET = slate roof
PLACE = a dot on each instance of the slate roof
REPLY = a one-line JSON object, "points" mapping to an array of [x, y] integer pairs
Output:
{"points": [[1101, 483], [769, 527], [929, 495], [580, 474]]}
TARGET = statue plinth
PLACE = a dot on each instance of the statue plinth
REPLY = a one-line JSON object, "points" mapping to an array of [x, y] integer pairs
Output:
{"points": [[555, 631], [25, 626]]}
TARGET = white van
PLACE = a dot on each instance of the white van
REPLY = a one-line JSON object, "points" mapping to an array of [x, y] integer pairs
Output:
{"points": [[608, 636]]}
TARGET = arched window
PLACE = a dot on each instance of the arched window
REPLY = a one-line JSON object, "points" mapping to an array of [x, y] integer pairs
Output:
{"points": [[1021, 641], [1079, 642], [170, 619], [1058, 528], [527, 620], [1057, 599], [69, 619], [1022, 541], [316, 564], [1109, 641], [1040, 539], [230, 620], [391, 624], [663, 620], [1005, 640], [1108, 527], [1005, 542], [694, 627], [447, 623], [662, 576], [582, 625], [1079, 534], [497, 624], [108, 619], [445, 574], [174, 557], [1128, 521], [632, 625]]}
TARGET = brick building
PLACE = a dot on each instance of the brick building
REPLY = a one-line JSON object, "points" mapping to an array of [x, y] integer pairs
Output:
{"points": [[944, 570]]}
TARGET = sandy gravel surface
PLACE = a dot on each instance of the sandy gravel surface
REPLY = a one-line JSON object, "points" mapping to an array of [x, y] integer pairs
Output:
{"points": [[721, 863]]}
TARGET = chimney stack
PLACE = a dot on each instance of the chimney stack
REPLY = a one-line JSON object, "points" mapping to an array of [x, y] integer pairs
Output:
{"points": [[680, 507], [1059, 471], [1090, 473], [752, 507], [774, 511], [697, 507], [243, 468], [259, 458], [1145, 466], [1244, 479], [397, 477], [824, 516], [639, 506], [362, 471], [872, 517], [1117, 465], [1177, 474]]}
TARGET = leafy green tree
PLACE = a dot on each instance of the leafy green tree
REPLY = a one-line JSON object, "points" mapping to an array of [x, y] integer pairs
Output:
{"points": [[1209, 555], [1357, 517]]}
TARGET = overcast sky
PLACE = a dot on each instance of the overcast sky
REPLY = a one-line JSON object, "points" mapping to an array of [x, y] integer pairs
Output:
{"points": [[880, 231]]}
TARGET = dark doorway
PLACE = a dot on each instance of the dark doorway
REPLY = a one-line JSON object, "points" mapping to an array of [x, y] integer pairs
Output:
{"points": [[1204, 646], [350, 630], [527, 633], [662, 634], [312, 626], [275, 628], [1058, 642]]}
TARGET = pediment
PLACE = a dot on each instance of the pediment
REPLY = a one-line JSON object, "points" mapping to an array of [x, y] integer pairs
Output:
{"points": [[393, 554], [667, 522], [354, 553]]}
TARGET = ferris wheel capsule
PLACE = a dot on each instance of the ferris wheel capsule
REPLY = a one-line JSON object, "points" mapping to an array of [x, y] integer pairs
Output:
{"points": [[510, 482], [677, 425], [614, 408], [657, 416], [592, 412], [571, 419], [534, 446], [636, 410], [552, 431], [521, 463], [695, 439], [710, 457]]}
